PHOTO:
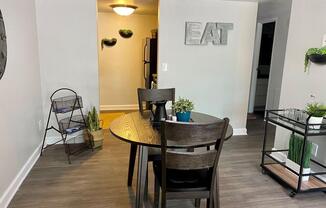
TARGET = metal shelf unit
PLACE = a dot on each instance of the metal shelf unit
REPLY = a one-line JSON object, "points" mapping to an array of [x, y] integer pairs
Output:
{"points": [[296, 121], [65, 106]]}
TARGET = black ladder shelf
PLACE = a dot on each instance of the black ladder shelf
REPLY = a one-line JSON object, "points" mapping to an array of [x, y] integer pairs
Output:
{"points": [[63, 109]]}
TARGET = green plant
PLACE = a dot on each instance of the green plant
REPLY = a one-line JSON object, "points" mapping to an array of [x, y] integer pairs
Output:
{"points": [[183, 105], [316, 109], [125, 33], [295, 150], [93, 122], [313, 51]]}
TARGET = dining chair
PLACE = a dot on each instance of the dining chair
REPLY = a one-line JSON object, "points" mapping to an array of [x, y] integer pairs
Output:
{"points": [[149, 96], [189, 175]]}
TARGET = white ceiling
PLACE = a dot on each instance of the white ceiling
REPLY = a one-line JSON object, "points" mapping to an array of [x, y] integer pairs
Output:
{"points": [[144, 6]]}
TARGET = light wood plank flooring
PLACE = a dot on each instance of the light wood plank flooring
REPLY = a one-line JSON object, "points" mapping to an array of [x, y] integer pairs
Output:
{"points": [[98, 179]]}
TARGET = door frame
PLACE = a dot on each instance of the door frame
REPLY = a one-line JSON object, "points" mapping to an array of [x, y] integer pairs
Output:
{"points": [[253, 83]]}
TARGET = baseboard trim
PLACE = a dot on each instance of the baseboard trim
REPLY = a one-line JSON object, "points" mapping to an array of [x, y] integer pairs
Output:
{"points": [[240, 132], [118, 107], [10, 192]]}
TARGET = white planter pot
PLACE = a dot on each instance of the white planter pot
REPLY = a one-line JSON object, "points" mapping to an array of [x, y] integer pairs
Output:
{"points": [[294, 166], [315, 120]]}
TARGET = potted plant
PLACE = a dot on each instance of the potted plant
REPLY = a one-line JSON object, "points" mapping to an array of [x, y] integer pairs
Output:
{"points": [[315, 55], [317, 112], [108, 42], [125, 33], [183, 108], [95, 132], [294, 155]]}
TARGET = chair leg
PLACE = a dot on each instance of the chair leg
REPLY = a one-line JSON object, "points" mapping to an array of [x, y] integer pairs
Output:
{"points": [[146, 187], [197, 203], [132, 159], [163, 199], [208, 202], [217, 190], [156, 193]]}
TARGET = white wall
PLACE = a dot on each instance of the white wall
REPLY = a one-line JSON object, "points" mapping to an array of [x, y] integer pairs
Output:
{"points": [[297, 86], [280, 11], [67, 32], [20, 90], [216, 78], [121, 66]]}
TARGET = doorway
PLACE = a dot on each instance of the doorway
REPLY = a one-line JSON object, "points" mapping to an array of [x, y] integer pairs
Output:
{"points": [[127, 53], [261, 68]]}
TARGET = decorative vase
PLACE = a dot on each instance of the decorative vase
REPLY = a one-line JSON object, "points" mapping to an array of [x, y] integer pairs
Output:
{"points": [[108, 42], [183, 116], [96, 138], [125, 33], [317, 58], [294, 166], [315, 120]]}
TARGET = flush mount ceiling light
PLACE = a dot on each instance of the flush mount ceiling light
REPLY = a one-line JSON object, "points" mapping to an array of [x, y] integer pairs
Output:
{"points": [[123, 9]]}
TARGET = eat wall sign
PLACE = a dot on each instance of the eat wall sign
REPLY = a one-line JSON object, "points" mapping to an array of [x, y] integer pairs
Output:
{"points": [[214, 32]]}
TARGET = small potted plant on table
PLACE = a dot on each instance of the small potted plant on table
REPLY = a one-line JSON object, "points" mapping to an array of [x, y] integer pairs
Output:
{"points": [[183, 108], [317, 112], [95, 132]]}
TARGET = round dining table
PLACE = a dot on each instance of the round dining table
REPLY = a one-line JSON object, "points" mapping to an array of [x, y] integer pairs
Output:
{"points": [[137, 128]]}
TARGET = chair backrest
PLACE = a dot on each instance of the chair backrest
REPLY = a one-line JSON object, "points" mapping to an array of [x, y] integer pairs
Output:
{"points": [[191, 135], [154, 95]]}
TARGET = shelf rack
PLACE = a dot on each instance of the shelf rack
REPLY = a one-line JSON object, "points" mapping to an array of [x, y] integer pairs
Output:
{"points": [[68, 124], [296, 121]]}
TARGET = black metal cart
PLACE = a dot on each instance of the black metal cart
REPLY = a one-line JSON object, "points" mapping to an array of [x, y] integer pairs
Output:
{"points": [[296, 121], [69, 116]]}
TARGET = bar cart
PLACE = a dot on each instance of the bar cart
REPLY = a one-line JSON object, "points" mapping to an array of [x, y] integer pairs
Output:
{"points": [[69, 116], [296, 121]]}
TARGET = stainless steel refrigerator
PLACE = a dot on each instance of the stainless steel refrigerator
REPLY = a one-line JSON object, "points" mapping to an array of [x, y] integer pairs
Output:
{"points": [[150, 62]]}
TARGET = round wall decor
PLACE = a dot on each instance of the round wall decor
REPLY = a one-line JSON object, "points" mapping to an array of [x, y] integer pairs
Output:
{"points": [[3, 46]]}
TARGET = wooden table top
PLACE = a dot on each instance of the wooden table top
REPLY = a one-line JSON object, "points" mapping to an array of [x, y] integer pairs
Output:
{"points": [[136, 128]]}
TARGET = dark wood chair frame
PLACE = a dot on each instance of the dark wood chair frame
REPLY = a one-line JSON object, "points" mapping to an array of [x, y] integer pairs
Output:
{"points": [[148, 96], [190, 135]]}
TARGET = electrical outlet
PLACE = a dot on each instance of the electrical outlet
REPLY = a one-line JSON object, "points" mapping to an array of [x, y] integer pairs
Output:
{"points": [[164, 67], [314, 149]]}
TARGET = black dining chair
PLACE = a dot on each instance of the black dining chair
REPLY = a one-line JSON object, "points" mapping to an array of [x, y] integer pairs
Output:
{"points": [[189, 175], [148, 96]]}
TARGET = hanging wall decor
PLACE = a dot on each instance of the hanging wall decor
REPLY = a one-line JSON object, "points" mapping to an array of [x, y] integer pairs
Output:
{"points": [[3, 47], [214, 32], [314, 55], [125, 33], [108, 42]]}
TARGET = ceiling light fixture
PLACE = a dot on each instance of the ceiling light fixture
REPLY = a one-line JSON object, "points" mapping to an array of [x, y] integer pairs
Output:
{"points": [[123, 9]]}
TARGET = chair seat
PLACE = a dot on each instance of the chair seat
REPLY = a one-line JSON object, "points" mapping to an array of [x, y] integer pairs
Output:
{"points": [[183, 180]]}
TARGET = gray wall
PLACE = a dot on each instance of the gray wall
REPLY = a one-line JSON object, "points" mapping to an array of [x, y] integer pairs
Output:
{"points": [[216, 78], [304, 32], [279, 10], [20, 90], [67, 32]]}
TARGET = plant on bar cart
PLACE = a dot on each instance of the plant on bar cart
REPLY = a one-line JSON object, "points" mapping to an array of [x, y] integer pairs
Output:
{"points": [[295, 153], [317, 112]]}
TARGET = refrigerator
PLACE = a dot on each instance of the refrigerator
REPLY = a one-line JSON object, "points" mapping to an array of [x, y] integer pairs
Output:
{"points": [[150, 62]]}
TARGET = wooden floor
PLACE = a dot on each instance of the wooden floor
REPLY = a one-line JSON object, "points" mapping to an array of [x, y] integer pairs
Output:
{"points": [[98, 179]]}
